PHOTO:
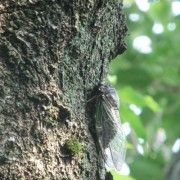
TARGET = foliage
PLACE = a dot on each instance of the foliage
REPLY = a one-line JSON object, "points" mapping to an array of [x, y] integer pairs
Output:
{"points": [[117, 176], [148, 82], [74, 146]]}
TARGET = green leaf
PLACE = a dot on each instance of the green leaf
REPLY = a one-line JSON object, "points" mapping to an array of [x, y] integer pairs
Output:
{"points": [[127, 115], [117, 176], [138, 77], [131, 96], [112, 79], [153, 105], [146, 168]]}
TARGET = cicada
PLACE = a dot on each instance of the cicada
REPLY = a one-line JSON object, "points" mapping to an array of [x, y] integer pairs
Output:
{"points": [[110, 134]]}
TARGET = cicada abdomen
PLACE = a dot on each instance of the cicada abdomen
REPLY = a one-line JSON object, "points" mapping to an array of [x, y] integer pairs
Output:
{"points": [[110, 134]]}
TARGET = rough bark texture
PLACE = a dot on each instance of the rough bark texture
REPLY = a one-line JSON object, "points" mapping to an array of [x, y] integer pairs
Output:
{"points": [[52, 54]]}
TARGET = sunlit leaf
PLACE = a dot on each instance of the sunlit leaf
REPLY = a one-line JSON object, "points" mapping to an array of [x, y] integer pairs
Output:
{"points": [[151, 103], [131, 96], [134, 120], [117, 176]]}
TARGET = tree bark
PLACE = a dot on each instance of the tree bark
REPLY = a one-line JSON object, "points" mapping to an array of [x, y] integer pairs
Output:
{"points": [[173, 168], [52, 54]]}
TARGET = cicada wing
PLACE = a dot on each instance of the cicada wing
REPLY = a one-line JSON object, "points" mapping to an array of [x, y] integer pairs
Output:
{"points": [[118, 148], [111, 137], [108, 159], [99, 125], [108, 125], [104, 126]]}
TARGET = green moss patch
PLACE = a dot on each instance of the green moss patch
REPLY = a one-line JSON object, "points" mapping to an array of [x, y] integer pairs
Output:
{"points": [[73, 146]]}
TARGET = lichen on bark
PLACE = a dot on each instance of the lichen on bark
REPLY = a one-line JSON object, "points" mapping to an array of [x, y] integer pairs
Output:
{"points": [[52, 54]]}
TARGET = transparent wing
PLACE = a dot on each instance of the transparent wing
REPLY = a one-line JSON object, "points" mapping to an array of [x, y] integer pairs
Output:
{"points": [[104, 126], [111, 136], [118, 148], [99, 125]]}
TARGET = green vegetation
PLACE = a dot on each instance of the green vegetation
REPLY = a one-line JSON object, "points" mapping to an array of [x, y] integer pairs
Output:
{"points": [[147, 78], [74, 146]]}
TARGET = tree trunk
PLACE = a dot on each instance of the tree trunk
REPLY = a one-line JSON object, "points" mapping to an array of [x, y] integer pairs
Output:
{"points": [[52, 54], [173, 168]]}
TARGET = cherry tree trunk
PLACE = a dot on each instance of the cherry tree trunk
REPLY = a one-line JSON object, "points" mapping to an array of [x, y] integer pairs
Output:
{"points": [[52, 54]]}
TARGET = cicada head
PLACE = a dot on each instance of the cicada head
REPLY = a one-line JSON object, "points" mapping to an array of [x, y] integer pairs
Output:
{"points": [[110, 93]]}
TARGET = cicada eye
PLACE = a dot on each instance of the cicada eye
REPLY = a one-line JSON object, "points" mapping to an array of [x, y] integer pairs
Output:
{"points": [[103, 87]]}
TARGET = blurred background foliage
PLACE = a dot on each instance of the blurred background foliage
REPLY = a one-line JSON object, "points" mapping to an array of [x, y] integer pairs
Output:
{"points": [[147, 78]]}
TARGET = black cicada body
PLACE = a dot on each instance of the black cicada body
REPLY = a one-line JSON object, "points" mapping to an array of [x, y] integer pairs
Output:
{"points": [[110, 134]]}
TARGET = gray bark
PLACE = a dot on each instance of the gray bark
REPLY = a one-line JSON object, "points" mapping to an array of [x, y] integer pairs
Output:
{"points": [[52, 54], [173, 168]]}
